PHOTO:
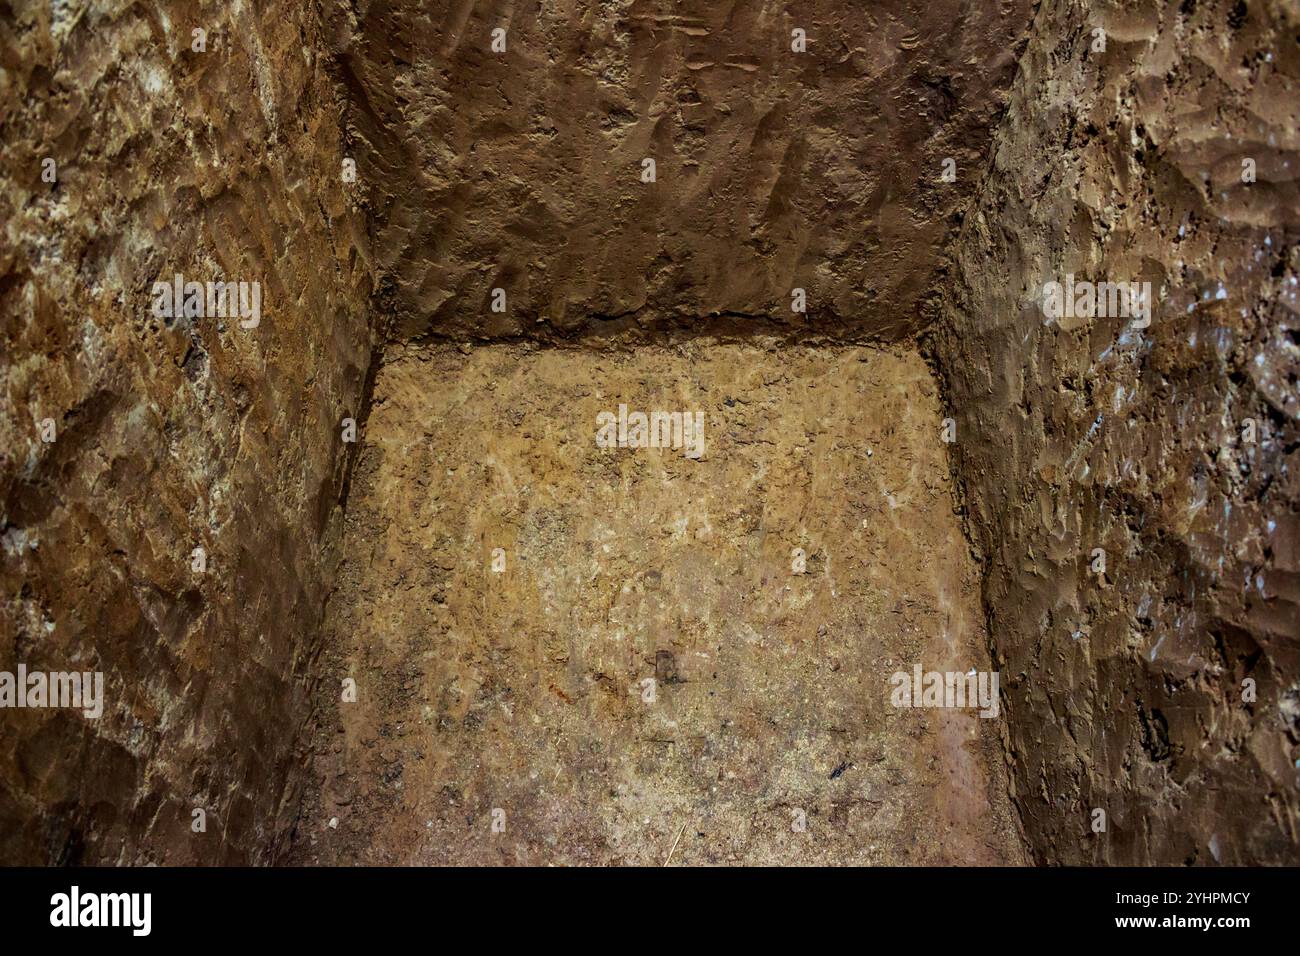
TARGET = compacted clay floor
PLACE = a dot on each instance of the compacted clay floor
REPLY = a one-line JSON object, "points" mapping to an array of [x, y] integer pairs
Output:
{"points": [[502, 716]]}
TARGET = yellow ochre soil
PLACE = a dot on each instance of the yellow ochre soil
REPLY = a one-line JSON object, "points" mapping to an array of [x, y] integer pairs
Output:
{"points": [[522, 697]]}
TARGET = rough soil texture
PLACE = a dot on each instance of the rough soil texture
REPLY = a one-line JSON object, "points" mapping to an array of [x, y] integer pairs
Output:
{"points": [[1164, 691], [523, 690], [1125, 690], [776, 170], [170, 434]]}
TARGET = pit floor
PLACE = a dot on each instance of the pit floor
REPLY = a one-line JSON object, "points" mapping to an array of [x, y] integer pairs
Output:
{"points": [[506, 716]]}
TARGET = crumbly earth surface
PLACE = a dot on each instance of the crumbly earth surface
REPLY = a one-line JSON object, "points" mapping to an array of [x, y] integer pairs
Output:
{"points": [[523, 697], [128, 440], [522, 169], [1164, 691]]}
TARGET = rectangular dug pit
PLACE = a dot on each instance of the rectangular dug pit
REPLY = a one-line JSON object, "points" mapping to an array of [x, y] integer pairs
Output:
{"points": [[569, 653]]}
